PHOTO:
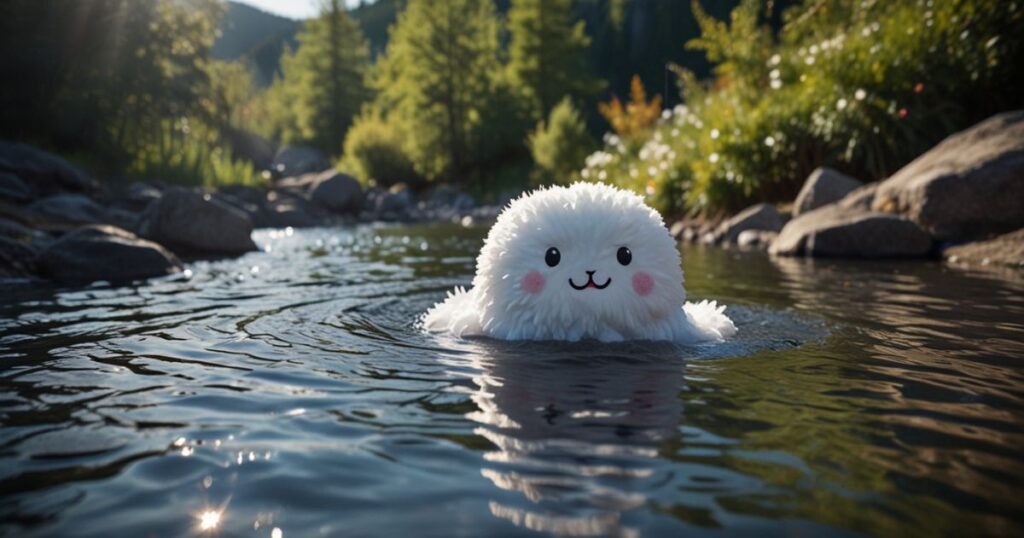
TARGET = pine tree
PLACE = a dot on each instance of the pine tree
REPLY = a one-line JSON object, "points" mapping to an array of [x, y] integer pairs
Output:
{"points": [[560, 146], [323, 83], [547, 52], [437, 75]]}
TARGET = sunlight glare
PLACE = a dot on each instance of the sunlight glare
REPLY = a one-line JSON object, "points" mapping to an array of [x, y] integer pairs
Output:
{"points": [[209, 520]]}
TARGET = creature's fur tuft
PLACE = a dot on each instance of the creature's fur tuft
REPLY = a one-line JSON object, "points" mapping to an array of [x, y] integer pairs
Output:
{"points": [[587, 223]]}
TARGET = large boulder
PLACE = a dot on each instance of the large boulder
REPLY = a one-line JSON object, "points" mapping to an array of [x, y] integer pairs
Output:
{"points": [[46, 173], [330, 189], [970, 185], [196, 224], [824, 186], [298, 160], [70, 208], [338, 193], [13, 188], [1004, 250], [249, 200], [105, 253], [759, 217], [837, 231]]}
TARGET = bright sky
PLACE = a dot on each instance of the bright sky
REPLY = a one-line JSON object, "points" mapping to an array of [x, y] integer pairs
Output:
{"points": [[295, 9]]}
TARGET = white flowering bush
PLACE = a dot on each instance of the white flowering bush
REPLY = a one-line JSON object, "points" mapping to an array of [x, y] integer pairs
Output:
{"points": [[860, 85]]}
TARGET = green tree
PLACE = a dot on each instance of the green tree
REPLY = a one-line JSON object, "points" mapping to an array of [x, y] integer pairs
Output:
{"points": [[101, 76], [546, 54], [560, 146], [436, 78], [323, 84]]}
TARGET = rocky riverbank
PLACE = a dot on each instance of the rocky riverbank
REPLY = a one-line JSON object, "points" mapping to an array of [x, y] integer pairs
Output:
{"points": [[57, 223], [962, 201]]}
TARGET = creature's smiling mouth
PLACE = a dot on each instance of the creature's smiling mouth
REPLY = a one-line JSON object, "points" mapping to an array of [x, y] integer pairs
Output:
{"points": [[590, 282]]}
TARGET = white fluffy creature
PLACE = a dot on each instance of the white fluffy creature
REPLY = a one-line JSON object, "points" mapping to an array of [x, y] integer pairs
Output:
{"points": [[588, 261]]}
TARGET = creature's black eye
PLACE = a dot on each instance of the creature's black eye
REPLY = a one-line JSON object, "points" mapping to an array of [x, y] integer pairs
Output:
{"points": [[552, 257], [624, 255]]}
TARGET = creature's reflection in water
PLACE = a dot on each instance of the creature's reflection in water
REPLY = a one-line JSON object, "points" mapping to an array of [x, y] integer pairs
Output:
{"points": [[576, 430]]}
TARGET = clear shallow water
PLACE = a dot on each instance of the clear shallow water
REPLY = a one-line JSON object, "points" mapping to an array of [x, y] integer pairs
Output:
{"points": [[290, 389]]}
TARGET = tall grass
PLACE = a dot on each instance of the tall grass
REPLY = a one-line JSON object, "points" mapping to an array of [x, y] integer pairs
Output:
{"points": [[183, 152]]}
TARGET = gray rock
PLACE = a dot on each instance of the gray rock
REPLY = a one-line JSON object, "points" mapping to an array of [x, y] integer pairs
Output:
{"points": [[861, 198], [970, 185], [193, 223], [284, 210], [17, 258], [677, 229], [244, 193], [19, 232], [760, 239], [249, 200], [13, 188], [824, 186], [836, 231], [758, 217], [299, 160], [330, 189], [105, 253], [337, 192], [70, 208], [1005, 250], [394, 203], [45, 173], [140, 195]]}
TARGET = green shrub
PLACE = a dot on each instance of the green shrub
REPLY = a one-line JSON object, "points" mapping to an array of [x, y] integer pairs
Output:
{"points": [[374, 152], [560, 146], [186, 153], [864, 87]]}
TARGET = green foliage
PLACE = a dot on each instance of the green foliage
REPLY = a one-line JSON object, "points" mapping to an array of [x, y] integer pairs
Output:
{"points": [[560, 146], [186, 153], [86, 74], [860, 86], [374, 152], [435, 80], [231, 90], [546, 54], [323, 83]]}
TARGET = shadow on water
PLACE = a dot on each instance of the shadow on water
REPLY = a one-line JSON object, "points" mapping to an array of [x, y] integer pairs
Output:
{"points": [[291, 389]]}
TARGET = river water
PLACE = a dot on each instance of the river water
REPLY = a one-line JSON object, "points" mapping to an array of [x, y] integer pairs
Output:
{"points": [[289, 393]]}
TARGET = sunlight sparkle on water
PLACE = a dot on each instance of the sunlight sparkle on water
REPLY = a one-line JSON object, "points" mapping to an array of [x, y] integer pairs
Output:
{"points": [[209, 520]]}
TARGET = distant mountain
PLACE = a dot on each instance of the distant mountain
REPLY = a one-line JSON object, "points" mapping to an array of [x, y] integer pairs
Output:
{"points": [[257, 37]]}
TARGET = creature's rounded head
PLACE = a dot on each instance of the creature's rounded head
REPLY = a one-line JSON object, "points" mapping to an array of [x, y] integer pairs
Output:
{"points": [[572, 262]]}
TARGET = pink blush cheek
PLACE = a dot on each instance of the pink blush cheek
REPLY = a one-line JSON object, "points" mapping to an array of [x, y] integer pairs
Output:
{"points": [[643, 283], [533, 282]]}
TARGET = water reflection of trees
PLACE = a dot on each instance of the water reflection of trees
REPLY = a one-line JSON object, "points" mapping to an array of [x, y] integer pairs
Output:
{"points": [[913, 402]]}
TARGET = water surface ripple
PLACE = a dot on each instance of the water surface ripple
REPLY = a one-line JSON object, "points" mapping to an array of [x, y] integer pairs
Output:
{"points": [[289, 389]]}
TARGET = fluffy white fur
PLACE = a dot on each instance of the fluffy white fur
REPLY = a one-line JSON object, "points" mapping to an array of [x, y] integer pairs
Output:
{"points": [[587, 223]]}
